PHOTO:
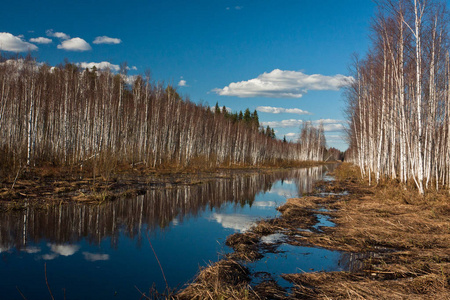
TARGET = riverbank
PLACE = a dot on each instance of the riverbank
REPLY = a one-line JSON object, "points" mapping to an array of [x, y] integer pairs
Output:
{"points": [[50, 185], [401, 241]]}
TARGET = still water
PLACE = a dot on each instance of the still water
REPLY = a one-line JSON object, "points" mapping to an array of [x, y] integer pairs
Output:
{"points": [[103, 251]]}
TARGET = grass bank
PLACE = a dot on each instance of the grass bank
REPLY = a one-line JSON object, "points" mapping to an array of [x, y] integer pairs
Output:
{"points": [[404, 239]]}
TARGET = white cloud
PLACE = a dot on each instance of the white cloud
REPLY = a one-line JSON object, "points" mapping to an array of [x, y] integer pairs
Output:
{"points": [[329, 125], [291, 134], [101, 65], [264, 204], [32, 250], [9, 42], [278, 110], [182, 82], [237, 222], [95, 256], [64, 250], [236, 8], [59, 35], [283, 123], [333, 127], [106, 40], [283, 84], [50, 256], [75, 44], [41, 40]]}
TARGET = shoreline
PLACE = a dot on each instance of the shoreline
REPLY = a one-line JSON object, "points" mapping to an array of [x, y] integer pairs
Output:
{"points": [[403, 239], [46, 186]]}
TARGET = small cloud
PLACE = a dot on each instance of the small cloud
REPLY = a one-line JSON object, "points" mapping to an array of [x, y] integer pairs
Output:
{"points": [[50, 256], [101, 65], [32, 250], [75, 44], [107, 40], [41, 40], [283, 84], [237, 222], [264, 204], [11, 43], [182, 82], [59, 35], [236, 8], [278, 110], [134, 68], [95, 256], [291, 134], [329, 125], [64, 250]]}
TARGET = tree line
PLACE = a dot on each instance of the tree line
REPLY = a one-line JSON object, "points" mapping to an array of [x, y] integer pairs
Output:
{"points": [[398, 105], [68, 116]]}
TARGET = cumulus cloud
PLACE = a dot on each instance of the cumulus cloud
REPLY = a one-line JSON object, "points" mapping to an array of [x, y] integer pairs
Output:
{"points": [[59, 35], [291, 134], [11, 43], [95, 256], [329, 125], [264, 204], [283, 84], [64, 250], [182, 82], [106, 40], [278, 110], [41, 40], [283, 123], [75, 44], [100, 65], [237, 222]]}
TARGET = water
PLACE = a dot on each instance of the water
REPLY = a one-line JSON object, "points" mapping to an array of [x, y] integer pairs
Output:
{"points": [[93, 252]]}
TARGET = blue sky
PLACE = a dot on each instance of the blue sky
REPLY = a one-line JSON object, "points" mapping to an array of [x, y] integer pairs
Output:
{"points": [[288, 59]]}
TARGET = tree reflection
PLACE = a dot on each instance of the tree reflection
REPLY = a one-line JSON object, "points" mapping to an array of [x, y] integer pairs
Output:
{"points": [[154, 210]]}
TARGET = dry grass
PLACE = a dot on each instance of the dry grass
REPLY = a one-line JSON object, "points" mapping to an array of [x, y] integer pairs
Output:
{"points": [[411, 232], [225, 279], [406, 238]]}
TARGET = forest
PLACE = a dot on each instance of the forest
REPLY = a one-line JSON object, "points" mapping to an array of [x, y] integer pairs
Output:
{"points": [[398, 106], [85, 118]]}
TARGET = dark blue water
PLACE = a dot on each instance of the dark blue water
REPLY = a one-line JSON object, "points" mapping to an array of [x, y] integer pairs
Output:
{"points": [[99, 252]]}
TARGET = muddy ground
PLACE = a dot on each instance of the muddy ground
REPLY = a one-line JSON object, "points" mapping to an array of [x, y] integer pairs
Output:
{"points": [[403, 239]]}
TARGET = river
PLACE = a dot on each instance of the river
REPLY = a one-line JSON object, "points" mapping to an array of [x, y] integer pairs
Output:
{"points": [[105, 251]]}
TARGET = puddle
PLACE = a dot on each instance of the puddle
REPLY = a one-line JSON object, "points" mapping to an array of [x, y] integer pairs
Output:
{"points": [[294, 259], [325, 194], [323, 221], [273, 238]]}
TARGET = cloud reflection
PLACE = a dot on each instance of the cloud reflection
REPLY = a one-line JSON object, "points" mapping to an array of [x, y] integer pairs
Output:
{"points": [[237, 222], [95, 256], [264, 204], [63, 250]]}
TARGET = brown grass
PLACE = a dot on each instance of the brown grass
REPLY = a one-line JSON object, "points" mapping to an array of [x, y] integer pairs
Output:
{"points": [[226, 279], [410, 232], [406, 238]]}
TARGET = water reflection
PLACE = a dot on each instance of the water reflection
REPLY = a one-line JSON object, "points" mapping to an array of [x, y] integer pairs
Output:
{"points": [[156, 209], [102, 251]]}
